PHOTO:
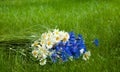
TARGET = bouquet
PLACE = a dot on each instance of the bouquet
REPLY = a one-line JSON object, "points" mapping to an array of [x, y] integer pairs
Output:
{"points": [[59, 46]]}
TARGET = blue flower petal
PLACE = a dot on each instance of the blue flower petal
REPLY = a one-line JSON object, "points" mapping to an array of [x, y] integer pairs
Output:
{"points": [[54, 57], [96, 42], [68, 52], [63, 56]]}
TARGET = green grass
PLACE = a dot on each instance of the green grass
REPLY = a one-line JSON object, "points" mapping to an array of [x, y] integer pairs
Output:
{"points": [[20, 19]]}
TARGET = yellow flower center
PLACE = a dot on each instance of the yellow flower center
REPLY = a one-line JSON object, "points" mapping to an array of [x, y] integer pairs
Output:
{"points": [[42, 61], [36, 44], [64, 39], [57, 32], [44, 36], [49, 43], [57, 38], [49, 34], [86, 55], [42, 42], [34, 53]]}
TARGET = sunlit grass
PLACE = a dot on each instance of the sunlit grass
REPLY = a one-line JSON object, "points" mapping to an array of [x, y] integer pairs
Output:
{"points": [[20, 19]]}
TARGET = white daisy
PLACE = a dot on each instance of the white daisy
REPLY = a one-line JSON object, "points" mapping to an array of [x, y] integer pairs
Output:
{"points": [[43, 61], [43, 50], [86, 55], [49, 44], [57, 38], [44, 36], [66, 37], [43, 42], [36, 44], [44, 56], [49, 34], [41, 56], [35, 53], [61, 34], [56, 32]]}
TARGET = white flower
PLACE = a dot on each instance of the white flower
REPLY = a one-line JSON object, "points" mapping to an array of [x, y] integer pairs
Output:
{"points": [[61, 34], [43, 61], [86, 55], [35, 53], [44, 36], [66, 37], [49, 34], [81, 51], [56, 32], [41, 56], [43, 42], [44, 56], [43, 50], [49, 44], [36, 44], [56, 39]]}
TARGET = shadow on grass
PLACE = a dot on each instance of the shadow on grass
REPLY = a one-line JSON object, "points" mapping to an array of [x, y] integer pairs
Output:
{"points": [[15, 43], [16, 48]]}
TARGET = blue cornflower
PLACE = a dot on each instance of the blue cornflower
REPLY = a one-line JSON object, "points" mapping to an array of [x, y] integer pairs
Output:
{"points": [[72, 36], [60, 43], [79, 36], [67, 50], [63, 56], [75, 51], [54, 57], [77, 54], [57, 48], [96, 42], [81, 44]]}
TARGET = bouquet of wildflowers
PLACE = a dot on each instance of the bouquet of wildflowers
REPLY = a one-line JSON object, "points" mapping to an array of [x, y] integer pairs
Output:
{"points": [[59, 46]]}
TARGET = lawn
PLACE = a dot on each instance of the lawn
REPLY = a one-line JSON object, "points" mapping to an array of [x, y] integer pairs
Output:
{"points": [[20, 20]]}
